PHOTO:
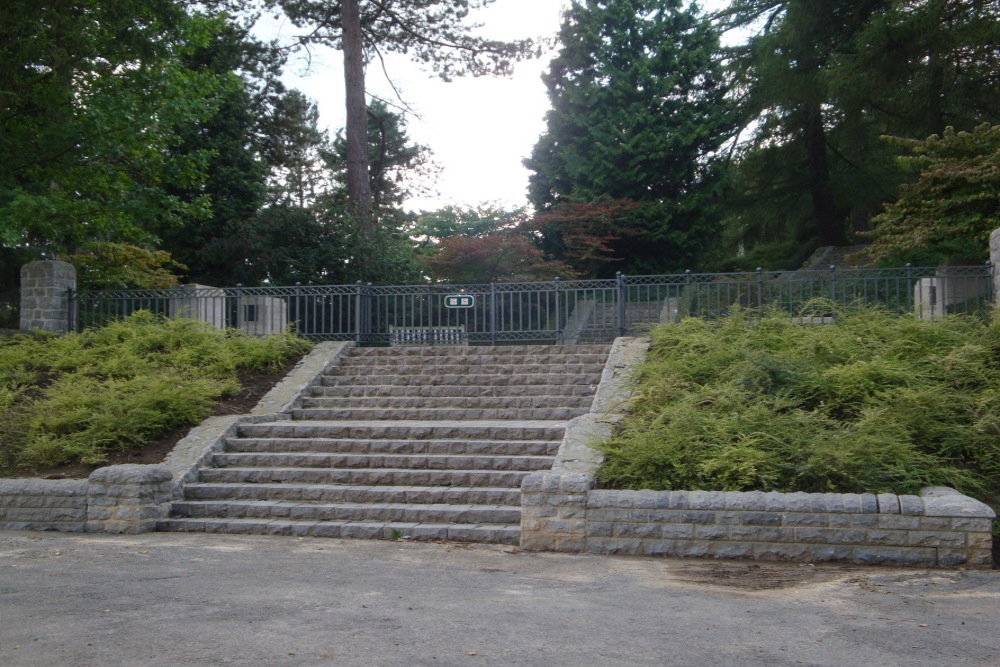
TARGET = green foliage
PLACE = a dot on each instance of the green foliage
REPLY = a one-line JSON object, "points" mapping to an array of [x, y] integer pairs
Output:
{"points": [[955, 202], [482, 244], [871, 403], [124, 266], [91, 95], [76, 398], [637, 114], [820, 82]]}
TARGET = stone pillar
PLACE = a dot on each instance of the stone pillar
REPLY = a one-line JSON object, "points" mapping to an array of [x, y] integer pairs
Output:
{"points": [[45, 287], [554, 511], [128, 499], [995, 259]]}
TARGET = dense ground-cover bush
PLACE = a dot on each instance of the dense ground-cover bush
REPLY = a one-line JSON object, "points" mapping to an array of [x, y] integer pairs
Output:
{"points": [[77, 398], [874, 402]]}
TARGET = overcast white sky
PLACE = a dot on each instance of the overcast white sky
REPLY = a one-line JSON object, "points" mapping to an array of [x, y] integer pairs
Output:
{"points": [[479, 129]]}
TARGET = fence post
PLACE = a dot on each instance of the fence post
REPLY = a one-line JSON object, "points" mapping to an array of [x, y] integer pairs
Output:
{"points": [[622, 326], [990, 277], [833, 283], [760, 290], [686, 299], [493, 313], [357, 311], [559, 334], [909, 287], [995, 259]]}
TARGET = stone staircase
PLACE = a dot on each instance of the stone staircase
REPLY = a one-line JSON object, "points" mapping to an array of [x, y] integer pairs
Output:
{"points": [[426, 443]]}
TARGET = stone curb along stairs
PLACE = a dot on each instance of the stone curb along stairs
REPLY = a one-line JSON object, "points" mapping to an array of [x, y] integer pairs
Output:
{"points": [[425, 443]]}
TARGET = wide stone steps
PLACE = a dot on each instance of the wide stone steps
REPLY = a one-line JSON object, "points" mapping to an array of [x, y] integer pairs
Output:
{"points": [[465, 380], [445, 370], [371, 476], [350, 512], [436, 414], [435, 391], [454, 402], [517, 352], [407, 430], [373, 446], [422, 443], [423, 361], [372, 530], [323, 493], [408, 461]]}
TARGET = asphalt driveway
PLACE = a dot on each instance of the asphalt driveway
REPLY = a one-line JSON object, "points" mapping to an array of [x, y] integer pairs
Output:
{"points": [[180, 599]]}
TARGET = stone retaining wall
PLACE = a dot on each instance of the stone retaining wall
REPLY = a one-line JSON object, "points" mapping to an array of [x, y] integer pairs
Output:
{"points": [[939, 528], [115, 499], [43, 504]]}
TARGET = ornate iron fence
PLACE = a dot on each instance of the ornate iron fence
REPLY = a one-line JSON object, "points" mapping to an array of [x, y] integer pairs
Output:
{"points": [[556, 311]]}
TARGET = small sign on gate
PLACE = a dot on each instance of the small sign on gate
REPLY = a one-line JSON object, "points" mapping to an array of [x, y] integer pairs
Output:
{"points": [[459, 301]]}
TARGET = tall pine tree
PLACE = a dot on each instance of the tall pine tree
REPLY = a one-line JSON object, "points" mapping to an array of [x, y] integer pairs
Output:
{"points": [[637, 114]]}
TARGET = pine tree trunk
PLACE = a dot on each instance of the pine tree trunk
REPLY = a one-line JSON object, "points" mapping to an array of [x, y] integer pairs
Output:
{"points": [[359, 191], [830, 229]]}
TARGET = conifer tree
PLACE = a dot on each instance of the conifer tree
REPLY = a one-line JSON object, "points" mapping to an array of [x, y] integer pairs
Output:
{"points": [[637, 113]]}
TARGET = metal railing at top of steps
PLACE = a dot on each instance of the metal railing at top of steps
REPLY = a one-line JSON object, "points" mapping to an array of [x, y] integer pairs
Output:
{"points": [[545, 312]]}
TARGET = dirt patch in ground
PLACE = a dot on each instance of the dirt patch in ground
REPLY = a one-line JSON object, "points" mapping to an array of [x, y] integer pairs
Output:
{"points": [[254, 386], [756, 577]]}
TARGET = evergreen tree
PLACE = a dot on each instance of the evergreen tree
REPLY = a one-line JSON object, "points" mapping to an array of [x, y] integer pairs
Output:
{"points": [[820, 82], [637, 113]]}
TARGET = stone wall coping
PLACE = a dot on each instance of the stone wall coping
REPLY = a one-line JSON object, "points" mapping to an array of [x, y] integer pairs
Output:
{"points": [[288, 393], [933, 501], [131, 473]]}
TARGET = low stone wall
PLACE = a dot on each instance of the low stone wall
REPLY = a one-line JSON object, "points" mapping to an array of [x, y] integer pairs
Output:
{"points": [[939, 528], [562, 511], [43, 504], [115, 499]]}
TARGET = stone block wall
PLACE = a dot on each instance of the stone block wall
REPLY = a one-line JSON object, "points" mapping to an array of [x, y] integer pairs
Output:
{"points": [[939, 528], [116, 499], [45, 287], [43, 504]]}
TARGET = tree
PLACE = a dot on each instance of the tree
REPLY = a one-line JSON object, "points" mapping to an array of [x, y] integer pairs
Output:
{"points": [[954, 204], [637, 114], [481, 244], [394, 162], [501, 257], [433, 32], [91, 95], [818, 83]]}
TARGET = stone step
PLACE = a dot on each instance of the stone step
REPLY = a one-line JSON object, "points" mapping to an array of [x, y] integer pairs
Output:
{"points": [[506, 360], [453, 462], [351, 512], [423, 370], [407, 430], [502, 391], [517, 351], [453, 402], [484, 533], [363, 476], [328, 493], [437, 414], [592, 379], [370, 446]]}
